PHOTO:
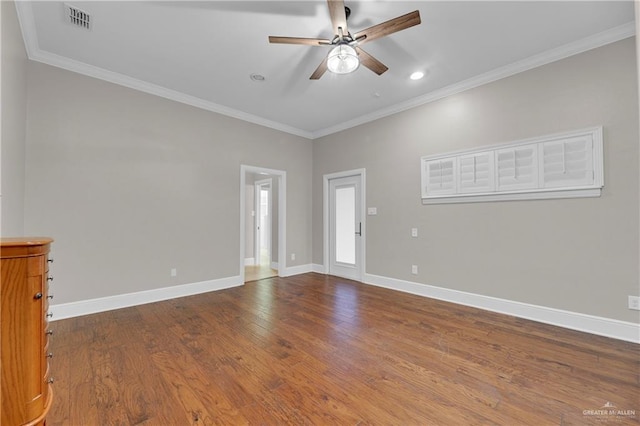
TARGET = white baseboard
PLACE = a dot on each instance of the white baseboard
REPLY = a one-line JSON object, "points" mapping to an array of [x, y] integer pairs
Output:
{"points": [[251, 261], [318, 268], [102, 304], [607, 327], [92, 306], [295, 270]]}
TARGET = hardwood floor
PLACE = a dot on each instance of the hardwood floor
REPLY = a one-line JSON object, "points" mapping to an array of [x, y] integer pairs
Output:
{"points": [[312, 349], [262, 270], [258, 272]]}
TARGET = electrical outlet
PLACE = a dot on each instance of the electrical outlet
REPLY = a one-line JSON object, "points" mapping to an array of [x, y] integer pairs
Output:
{"points": [[293, 256], [174, 272], [414, 269], [414, 232], [634, 302]]}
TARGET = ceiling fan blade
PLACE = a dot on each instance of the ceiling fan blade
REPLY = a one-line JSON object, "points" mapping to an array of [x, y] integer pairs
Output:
{"points": [[389, 27], [322, 68], [299, 40], [370, 62], [338, 16]]}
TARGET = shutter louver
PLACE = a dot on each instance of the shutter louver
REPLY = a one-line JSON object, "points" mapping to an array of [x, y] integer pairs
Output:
{"points": [[517, 168], [567, 163], [440, 177], [476, 173]]}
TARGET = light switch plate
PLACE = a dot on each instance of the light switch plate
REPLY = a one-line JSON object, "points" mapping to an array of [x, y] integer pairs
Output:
{"points": [[372, 211]]}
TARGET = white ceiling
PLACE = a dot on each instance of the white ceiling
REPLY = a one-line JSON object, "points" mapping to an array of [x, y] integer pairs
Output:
{"points": [[202, 53]]}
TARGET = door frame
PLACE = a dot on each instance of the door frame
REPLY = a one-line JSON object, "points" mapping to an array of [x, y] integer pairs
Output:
{"points": [[325, 217], [256, 223], [281, 176]]}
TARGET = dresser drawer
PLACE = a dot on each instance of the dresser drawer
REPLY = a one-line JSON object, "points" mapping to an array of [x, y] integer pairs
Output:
{"points": [[26, 392]]}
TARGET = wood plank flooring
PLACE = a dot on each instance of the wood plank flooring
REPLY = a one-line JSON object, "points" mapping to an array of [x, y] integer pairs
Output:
{"points": [[258, 272], [313, 349]]}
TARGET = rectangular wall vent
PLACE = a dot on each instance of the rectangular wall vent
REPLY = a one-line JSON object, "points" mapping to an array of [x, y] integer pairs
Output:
{"points": [[77, 17]]}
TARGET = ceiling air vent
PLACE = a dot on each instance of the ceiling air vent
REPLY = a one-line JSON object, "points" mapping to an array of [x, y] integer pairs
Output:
{"points": [[77, 17]]}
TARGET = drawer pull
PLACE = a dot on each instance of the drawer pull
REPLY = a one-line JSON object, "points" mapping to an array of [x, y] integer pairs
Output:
{"points": [[38, 296], [50, 296], [50, 355], [49, 278], [50, 260], [50, 380], [49, 333], [50, 314]]}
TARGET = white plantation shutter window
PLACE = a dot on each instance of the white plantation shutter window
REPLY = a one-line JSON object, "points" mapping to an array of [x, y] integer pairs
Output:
{"points": [[439, 176], [517, 168], [567, 163], [475, 172]]}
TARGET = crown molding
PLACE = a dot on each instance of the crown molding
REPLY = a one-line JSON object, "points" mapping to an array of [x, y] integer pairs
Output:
{"points": [[597, 40], [27, 25], [153, 89]]}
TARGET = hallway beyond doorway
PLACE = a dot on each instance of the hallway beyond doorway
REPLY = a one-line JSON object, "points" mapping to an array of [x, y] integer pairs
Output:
{"points": [[260, 270]]}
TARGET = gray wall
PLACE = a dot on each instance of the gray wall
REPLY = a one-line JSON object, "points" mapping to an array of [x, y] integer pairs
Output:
{"points": [[579, 255], [14, 109], [131, 185]]}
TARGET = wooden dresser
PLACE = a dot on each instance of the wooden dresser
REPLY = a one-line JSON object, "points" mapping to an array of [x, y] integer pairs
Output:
{"points": [[26, 386]]}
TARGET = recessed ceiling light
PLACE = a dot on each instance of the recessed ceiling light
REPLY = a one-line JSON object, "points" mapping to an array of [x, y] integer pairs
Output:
{"points": [[257, 77], [416, 75]]}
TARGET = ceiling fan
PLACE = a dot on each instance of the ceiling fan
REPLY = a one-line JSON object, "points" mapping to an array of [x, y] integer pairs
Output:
{"points": [[347, 55]]}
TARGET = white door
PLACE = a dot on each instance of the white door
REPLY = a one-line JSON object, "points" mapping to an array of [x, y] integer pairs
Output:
{"points": [[345, 227], [263, 222]]}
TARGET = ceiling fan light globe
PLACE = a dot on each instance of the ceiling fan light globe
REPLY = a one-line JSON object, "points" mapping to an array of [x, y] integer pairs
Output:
{"points": [[343, 59]]}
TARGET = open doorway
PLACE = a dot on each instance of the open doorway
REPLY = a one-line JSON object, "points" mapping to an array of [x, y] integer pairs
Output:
{"points": [[264, 223], [262, 211]]}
